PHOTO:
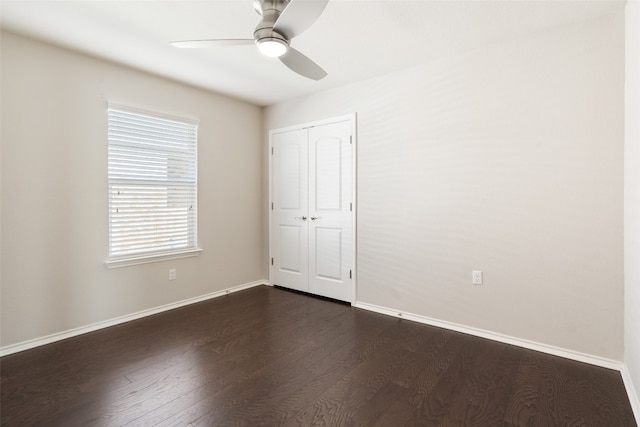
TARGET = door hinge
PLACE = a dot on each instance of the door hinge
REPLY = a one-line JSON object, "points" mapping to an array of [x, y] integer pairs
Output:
{"points": [[350, 139], [271, 261], [350, 274], [271, 150], [271, 205], [351, 206]]}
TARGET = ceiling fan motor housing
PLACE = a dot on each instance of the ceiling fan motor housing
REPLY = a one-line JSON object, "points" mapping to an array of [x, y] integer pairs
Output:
{"points": [[270, 11]]}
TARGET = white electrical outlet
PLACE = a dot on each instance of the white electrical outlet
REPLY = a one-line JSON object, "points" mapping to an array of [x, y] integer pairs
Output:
{"points": [[476, 277], [172, 274]]}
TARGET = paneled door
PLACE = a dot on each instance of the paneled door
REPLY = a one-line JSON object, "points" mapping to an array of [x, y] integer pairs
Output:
{"points": [[312, 210], [290, 209]]}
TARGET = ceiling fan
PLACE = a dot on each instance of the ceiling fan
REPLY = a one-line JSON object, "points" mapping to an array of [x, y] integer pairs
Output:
{"points": [[281, 21]]}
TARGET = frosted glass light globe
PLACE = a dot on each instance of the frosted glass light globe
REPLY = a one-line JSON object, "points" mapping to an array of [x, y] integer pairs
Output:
{"points": [[272, 47]]}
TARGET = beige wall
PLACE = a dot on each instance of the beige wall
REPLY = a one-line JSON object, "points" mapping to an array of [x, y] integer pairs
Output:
{"points": [[632, 197], [54, 192], [509, 160]]}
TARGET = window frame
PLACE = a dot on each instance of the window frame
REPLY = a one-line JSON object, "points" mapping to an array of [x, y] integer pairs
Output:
{"points": [[191, 229]]}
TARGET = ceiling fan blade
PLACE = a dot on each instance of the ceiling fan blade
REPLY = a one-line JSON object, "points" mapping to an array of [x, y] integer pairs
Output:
{"points": [[302, 65], [188, 44], [298, 16]]}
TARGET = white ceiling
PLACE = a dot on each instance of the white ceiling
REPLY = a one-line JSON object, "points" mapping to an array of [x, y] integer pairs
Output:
{"points": [[352, 40]]}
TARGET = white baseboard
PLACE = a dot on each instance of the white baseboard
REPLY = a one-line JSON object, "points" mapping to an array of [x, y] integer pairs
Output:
{"points": [[36, 342], [634, 397], [531, 345]]}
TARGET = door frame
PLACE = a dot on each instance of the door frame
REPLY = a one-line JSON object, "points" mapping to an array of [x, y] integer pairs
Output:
{"points": [[354, 135]]}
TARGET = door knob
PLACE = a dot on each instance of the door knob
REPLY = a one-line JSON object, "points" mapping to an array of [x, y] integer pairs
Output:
{"points": [[313, 218], [304, 218]]}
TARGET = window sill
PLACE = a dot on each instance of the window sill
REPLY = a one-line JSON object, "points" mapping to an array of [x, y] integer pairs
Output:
{"points": [[146, 259]]}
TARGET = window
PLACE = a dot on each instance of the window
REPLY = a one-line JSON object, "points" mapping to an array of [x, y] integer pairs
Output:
{"points": [[152, 187]]}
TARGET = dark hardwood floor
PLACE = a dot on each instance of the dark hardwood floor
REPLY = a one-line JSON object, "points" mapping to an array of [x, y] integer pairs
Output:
{"points": [[269, 357]]}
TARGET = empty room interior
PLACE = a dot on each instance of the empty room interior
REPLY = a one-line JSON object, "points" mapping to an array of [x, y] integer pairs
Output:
{"points": [[311, 212]]}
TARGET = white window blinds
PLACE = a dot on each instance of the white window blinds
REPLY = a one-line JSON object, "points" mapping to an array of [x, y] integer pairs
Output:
{"points": [[152, 184]]}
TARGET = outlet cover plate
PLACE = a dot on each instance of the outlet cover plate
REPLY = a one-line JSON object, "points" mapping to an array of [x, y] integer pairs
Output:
{"points": [[476, 277]]}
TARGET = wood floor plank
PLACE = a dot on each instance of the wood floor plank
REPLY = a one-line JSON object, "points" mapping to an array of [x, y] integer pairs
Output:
{"points": [[366, 388], [397, 414], [270, 357], [74, 396], [573, 393], [483, 396], [444, 392], [350, 350], [287, 348], [234, 360], [522, 408], [422, 390], [271, 377], [279, 382]]}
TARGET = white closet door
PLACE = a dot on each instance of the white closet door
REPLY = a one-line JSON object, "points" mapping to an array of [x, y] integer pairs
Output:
{"points": [[289, 228], [312, 215], [330, 210]]}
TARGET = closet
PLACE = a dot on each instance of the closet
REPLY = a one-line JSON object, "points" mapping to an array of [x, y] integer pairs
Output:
{"points": [[312, 215]]}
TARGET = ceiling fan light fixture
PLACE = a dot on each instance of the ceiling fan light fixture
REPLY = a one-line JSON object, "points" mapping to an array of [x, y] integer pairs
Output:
{"points": [[272, 47]]}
